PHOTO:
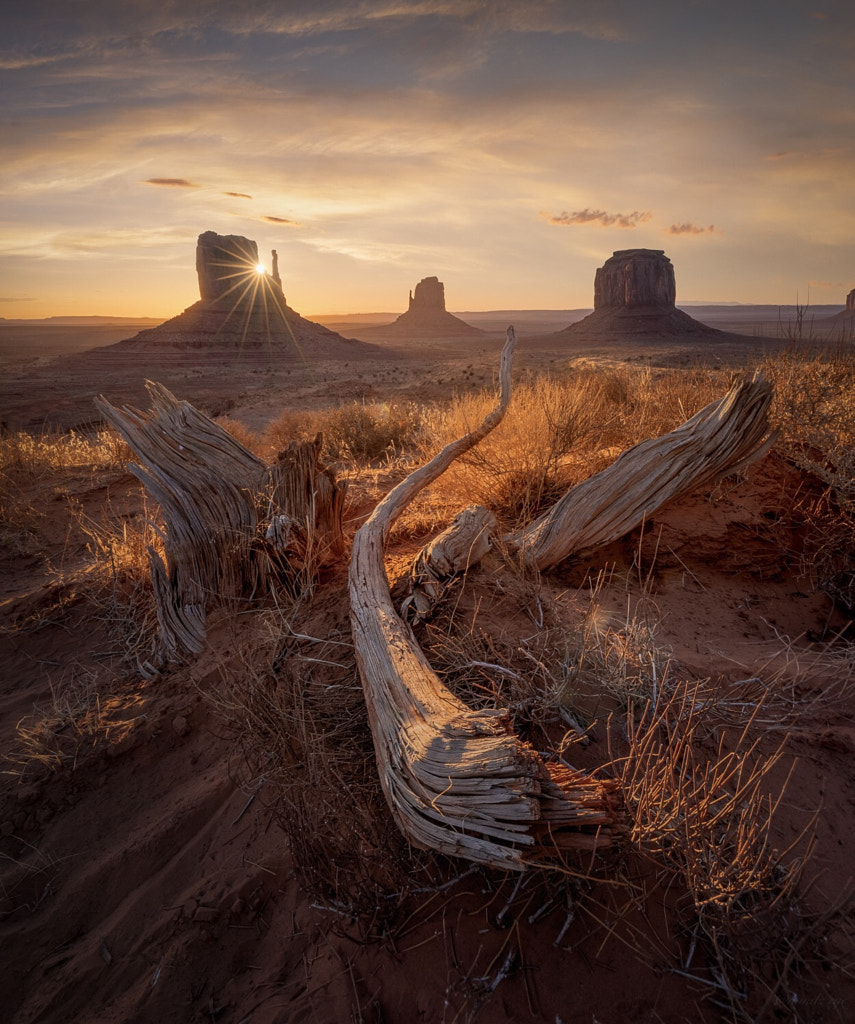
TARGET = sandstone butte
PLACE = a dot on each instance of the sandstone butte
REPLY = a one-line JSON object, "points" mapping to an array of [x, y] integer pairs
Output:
{"points": [[240, 307], [635, 297], [426, 317]]}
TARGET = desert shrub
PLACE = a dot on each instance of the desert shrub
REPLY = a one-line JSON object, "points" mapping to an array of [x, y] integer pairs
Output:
{"points": [[250, 439], [358, 432], [39, 455], [293, 425], [814, 411], [527, 461]]}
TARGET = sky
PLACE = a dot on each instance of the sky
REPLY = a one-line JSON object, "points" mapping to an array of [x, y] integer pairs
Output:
{"points": [[507, 147]]}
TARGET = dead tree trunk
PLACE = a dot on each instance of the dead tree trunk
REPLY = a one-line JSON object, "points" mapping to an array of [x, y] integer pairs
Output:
{"points": [[458, 781], [231, 523], [720, 439]]}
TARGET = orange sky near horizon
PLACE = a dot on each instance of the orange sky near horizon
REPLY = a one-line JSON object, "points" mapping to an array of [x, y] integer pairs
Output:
{"points": [[506, 148]]}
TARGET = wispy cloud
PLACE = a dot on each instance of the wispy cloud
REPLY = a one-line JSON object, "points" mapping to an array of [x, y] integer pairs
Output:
{"points": [[689, 229], [171, 182], [600, 217], [10, 298], [281, 220], [238, 195]]}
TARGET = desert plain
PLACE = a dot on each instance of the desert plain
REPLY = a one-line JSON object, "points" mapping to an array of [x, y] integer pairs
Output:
{"points": [[207, 840]]}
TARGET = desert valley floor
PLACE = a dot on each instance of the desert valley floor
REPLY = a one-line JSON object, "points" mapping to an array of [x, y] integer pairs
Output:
{"points": [[163, 858]]}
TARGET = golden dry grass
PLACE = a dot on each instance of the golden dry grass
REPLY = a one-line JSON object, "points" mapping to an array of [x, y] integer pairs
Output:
{"points": [[701, 803], [559, 431]]}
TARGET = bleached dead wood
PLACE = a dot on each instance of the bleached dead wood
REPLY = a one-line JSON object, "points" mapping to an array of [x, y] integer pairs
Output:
{"points": [[230, 522], [721, 439], [458, 781], [456, 549]]}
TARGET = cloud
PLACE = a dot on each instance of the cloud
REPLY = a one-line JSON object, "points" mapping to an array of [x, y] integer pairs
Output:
{"points": [[689, 229], [10, 298], [171, 182], [281, 220], [605, 220], [238, 195]]}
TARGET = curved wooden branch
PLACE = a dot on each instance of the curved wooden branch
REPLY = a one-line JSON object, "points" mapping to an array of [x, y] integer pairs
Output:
{"points": [[723, 437], [458, 781]]}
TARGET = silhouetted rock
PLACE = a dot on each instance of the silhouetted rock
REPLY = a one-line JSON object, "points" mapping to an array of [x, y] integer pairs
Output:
{"points": [[426, 317], [241, 308], [429, 294], [634, 297], [635, 277], [220, 259], [847, 314]]}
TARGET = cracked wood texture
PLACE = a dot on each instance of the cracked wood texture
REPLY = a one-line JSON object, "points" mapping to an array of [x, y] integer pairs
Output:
{"points": [[722, 438], [232, 524], [458, 781]]}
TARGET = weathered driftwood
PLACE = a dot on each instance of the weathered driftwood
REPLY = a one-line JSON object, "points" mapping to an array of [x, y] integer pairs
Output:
{"points": [[458, 781], [231, 523], [720, 439], [456, 549]]}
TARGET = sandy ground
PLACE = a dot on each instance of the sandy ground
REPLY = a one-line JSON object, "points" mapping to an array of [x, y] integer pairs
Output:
{"points": [[145, 867]]}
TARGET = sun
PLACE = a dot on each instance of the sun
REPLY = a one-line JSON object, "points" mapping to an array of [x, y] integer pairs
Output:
{"points": [[259, 268]]}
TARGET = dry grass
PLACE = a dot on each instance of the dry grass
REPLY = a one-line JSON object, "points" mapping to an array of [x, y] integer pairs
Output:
{"points": [[30, 464], [83, 713], [707, 817], [116, 579], [558, 432], [35, 456], [358, 432], [701, 780], [814, 410], [297, 713]]}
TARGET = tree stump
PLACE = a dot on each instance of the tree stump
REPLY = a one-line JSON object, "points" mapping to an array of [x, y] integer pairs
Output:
{"points": [[233, 525]]}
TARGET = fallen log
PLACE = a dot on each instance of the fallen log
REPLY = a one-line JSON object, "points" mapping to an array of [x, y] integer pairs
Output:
{"points": [[232, 525], [458, 781], [722, 438]]}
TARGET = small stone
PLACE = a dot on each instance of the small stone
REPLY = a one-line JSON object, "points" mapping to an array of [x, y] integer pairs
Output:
{"points": [[29, 794], [180, 725], [204, 915], [237, 907]]}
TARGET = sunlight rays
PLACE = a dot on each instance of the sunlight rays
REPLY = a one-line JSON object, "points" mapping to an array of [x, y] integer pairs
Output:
{"points": [[256, 300]]}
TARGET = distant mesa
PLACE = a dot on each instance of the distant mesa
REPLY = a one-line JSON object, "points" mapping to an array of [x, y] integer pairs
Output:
{"points": [[426, 317], [241, 308], [847, 314], [635, 295]]}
